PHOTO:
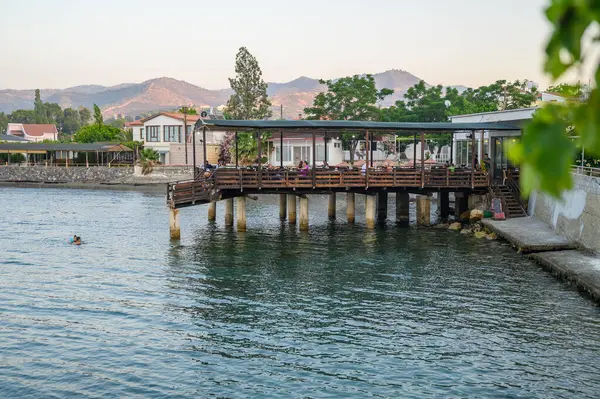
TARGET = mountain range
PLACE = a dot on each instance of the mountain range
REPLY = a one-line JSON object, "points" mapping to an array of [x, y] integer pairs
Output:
{"points": [[166, 93]]}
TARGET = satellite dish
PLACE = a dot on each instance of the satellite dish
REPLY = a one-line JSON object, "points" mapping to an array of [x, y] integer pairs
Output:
{"points": [[447, 103], [203, 114]]}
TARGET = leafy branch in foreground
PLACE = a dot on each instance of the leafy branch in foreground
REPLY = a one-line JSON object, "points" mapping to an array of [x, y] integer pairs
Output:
{"points": [[545, 151]]}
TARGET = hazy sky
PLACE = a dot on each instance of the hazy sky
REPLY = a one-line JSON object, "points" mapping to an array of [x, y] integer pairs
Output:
{"points": [[61, 43]]}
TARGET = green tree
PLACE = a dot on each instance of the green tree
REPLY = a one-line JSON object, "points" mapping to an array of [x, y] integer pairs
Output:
{"points": [[249, 99], [98, 120], [70, 121], [98, 133], [187, 110], [545, 152], [22, 116], [118, 123], [38, 108], [84, 115], [568, 90], [3, 122], [501, 95], [350, 98]]}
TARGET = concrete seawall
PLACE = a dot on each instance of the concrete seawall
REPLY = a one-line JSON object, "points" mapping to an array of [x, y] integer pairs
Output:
{"points": [[576, 216], [94, 175]]}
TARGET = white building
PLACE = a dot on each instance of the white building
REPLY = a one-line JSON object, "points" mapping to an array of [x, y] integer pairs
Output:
{"points": [[493, 141], [164, 132], [33, 132], [299, 148]]}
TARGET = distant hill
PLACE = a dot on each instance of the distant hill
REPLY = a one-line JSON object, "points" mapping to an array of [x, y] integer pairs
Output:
{"points": [[168, 93]]}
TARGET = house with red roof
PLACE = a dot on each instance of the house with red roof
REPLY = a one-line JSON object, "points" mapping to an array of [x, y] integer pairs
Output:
{"points": [[33, 132]]}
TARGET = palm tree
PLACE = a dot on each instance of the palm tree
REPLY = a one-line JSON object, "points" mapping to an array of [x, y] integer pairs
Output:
{"points": [[148, 158]]}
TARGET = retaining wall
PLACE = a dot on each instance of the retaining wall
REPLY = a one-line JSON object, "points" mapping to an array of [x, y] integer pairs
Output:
{"points": [[577, 215], [56, 174]]}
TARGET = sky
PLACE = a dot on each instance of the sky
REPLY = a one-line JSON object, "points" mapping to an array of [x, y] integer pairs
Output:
{"points": [[63, 43]]}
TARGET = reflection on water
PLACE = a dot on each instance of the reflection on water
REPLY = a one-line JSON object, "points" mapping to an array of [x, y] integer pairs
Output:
{"points": [[339, 311]]}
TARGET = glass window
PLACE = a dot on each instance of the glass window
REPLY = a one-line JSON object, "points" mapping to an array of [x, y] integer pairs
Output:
{"points": [[152, 133], [142, 134], [172, 134]]}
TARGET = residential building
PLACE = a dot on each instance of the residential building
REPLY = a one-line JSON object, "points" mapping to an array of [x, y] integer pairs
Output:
{"points": [[164, 132], [33, 132]]}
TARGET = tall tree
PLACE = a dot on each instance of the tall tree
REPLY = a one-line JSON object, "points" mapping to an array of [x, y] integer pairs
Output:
{"points": [[84, 115], [22, 116], [98, 120], [3, 122], [350, 98], [567, 90], [38, 108], [249, 99]]}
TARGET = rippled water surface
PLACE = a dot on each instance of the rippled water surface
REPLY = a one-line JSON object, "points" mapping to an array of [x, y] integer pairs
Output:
{"points": [[338, 312]]}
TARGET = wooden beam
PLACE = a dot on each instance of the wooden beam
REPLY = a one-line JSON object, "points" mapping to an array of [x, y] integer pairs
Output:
{"points": [[473, 158], [314, 159], [259, 150], [367, 158]]}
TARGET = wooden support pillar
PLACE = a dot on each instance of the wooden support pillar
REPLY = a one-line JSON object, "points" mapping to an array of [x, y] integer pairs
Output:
{"points": [[87, 163], [304, 213], [291, 208], [237, 151], [473, 158], [205, 157], [229, 212], [423, 210], [402, 209], [482, 147], [241, 213], [281, 149], [314, 159], [367, 158], [282, 206], [370, 211], [212, 211], [259, 150], [331, 206], [382, 206], [174, 229], [444, 204], [350, 207]]}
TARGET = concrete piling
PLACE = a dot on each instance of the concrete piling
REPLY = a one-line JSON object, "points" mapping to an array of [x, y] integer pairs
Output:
{"points": [[402, 209], [382, 206], [304, 213], [229, 212], [350, 207], [461, 203], [174, 228], [331, 206], [282, 206], [423, 210], [212, 211], [370, 205], [444, 205], [291, 208], [241, 213]]}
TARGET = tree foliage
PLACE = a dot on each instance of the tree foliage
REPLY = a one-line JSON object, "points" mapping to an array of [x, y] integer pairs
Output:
{"points": [[568, 90], [350, 98], [187, 110], [99, 133], [98, 120], [249, 99], [545, 152]]}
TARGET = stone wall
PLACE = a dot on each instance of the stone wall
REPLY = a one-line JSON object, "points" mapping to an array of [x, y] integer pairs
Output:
{"points": [[577, 215], [96, 174]]}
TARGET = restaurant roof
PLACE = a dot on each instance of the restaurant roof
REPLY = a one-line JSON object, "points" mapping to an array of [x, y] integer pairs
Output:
{"points": [[389, 127], [77, 147]]}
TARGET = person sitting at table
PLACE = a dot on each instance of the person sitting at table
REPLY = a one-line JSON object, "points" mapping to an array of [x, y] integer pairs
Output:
{"points": [[302, 168], [325, 165]]}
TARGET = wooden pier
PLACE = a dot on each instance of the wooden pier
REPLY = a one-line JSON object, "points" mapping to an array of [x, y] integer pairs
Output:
{"points": [[238, 182]]}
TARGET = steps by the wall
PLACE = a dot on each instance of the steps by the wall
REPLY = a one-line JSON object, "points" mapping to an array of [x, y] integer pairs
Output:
{"points": [[511, 204]]}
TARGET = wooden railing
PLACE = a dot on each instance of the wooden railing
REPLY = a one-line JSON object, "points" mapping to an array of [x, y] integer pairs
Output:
{"points": [[202, 189]]}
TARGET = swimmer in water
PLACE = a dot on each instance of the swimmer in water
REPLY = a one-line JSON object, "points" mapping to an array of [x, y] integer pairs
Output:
{"points": [[75, 240]]}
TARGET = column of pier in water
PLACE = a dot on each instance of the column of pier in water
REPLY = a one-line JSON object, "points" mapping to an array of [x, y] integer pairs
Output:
{"points": [[331, 206], [423, 210], [229, 212], [241, 213], [291, 208], [304, 213], [403, 208], [282, 206], [212, 211], [350, 207]]}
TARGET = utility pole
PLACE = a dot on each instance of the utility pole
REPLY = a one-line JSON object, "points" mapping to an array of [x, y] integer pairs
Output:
{"points": [[281, 112], [185, 110]]}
